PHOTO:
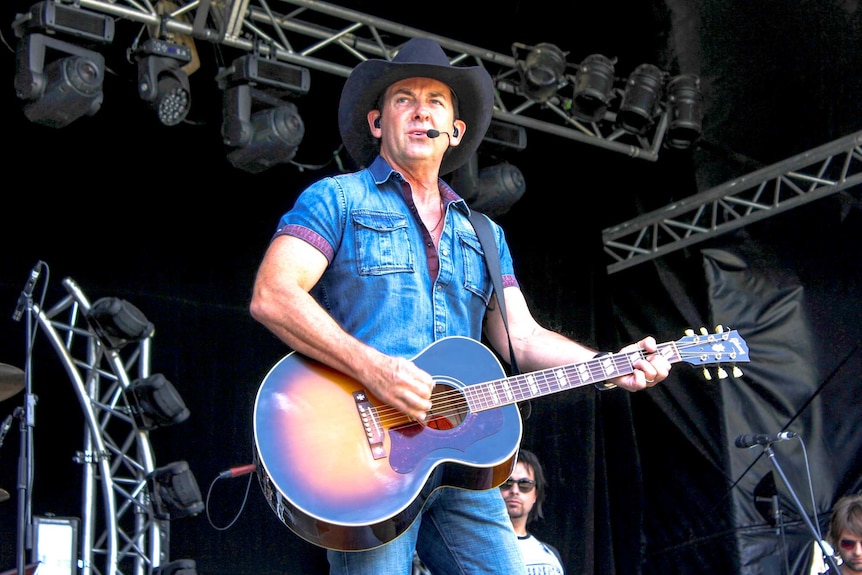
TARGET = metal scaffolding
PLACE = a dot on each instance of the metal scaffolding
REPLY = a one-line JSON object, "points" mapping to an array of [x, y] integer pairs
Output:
{"points": [[794, 182], [119, 532]]}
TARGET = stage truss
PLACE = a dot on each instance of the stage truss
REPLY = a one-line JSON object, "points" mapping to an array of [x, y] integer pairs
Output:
{"points": [[119, 534]]}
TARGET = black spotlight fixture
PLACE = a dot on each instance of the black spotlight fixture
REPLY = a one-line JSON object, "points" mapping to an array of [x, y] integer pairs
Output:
{"points": [[174, 491], [685, 111], [155, 402], [260, 127], [493, 189], [58, 74], [161, 80], [117, 322], [641, 98], [542, 71], [594, 86]]}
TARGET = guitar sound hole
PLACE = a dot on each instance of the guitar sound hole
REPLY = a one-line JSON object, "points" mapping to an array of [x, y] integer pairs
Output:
{"points": [[448, 408]]}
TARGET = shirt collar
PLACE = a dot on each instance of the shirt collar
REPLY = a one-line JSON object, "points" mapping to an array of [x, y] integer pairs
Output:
{"points": [[381, 171]]}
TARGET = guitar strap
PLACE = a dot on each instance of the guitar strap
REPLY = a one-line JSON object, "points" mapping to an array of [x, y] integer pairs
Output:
{"points": [[489, 245]]}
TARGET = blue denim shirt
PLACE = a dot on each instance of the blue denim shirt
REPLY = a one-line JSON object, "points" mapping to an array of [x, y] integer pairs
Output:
{"points": [[379, 285]]}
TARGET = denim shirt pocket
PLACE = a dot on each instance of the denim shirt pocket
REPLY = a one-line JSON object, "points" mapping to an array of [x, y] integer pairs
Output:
{"points": [[382, 242], [476, 273]]}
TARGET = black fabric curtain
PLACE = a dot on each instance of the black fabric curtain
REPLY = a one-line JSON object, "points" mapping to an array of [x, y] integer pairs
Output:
{"points": [[791, 288]]}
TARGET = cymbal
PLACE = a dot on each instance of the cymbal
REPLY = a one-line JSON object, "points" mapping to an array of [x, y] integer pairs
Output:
{"points": [[4, 495], [11, 381]]}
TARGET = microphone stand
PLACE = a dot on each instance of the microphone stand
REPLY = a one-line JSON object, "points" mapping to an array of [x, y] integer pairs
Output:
{"points": [[830, 559], [25, 461]]}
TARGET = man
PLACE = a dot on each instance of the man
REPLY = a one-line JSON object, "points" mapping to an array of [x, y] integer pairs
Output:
{"points": [[845, 533], [368, 269], [524, 493]]}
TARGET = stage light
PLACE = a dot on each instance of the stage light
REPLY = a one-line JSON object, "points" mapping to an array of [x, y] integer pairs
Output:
{"points": [[641, 98], [174, 491], [260, 127], [594, 84], [116, 322], [65, 20], [492, 189], [543, 71], [155, 402], [500, 186], [63, 90], [162, 82], [685, 111], [505, 135], [60, 81]]}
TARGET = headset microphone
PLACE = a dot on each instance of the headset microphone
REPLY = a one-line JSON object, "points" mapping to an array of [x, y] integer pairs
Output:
{"points": [[432, 133]]}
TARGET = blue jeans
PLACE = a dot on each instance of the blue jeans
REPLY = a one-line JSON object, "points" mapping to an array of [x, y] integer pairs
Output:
{"points": [[459, 532]]}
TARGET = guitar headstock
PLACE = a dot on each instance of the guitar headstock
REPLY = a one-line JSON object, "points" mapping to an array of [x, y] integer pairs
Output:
{"points": [[713, 349]]}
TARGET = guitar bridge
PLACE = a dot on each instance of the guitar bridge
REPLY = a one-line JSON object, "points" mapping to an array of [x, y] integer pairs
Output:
{"points": [[370, 423]]}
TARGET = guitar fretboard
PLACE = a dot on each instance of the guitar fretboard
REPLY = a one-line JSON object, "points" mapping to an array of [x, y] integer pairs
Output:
{"points": [[499, 392]]}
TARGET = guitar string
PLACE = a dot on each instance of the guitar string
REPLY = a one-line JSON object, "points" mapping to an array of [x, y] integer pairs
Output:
{"points": [[452, 402]]}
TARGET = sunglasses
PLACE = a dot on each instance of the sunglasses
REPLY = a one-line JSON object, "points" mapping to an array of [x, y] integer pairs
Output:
{"points": [[849, 544], [524, 485]]}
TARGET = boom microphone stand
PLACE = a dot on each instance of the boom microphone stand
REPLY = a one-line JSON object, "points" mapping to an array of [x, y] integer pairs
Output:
{"points": [[830, 559], [25, 461]]}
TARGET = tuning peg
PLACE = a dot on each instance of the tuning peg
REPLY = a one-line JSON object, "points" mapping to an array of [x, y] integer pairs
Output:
{"points": [[719, 328], [703, 331], [706, 375], [722, 373], [737, 372], [689, 332]]}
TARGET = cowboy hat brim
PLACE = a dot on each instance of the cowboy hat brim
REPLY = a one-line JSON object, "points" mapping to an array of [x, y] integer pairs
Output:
{"points": [[418, 58]]}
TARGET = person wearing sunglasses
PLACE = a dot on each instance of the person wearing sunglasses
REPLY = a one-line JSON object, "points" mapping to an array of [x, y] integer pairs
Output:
{"points": [[524, 493], [845, 533]]}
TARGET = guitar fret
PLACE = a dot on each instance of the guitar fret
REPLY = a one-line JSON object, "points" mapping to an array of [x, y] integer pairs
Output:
{"points": [[562, 380], [492, 393], [507, 390], [532, 385]]}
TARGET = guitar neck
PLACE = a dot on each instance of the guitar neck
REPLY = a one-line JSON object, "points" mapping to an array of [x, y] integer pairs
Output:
{"points": [[509, 390]]}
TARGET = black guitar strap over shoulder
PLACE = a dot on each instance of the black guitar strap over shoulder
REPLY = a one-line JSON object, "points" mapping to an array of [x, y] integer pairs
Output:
{"points": [[489, 245]]}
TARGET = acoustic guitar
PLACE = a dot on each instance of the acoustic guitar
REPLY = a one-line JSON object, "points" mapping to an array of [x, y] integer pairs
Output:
{"points": [[347, 472]]}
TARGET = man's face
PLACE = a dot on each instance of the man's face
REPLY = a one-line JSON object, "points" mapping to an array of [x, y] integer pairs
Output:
{"points": [[410, 108], [850, 549], [519, 503]]}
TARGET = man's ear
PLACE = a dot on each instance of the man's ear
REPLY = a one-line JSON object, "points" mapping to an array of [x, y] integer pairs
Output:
{"points": [[458, 129], [374, 123]]}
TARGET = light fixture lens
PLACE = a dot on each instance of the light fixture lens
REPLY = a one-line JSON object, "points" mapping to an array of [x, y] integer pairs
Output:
{"points": [[174, 101], [543, 69]]}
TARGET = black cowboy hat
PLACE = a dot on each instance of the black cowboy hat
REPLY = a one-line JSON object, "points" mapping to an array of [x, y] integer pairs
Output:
{"points": [[419, 57]]}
